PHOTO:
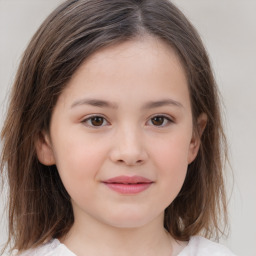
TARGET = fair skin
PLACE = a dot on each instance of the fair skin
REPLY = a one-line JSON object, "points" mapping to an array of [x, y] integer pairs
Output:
{"points": [[126, 112]]}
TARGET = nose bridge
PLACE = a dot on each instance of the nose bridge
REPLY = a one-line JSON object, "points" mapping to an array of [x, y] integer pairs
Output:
{"points": [[128, 145], [130, 138]]}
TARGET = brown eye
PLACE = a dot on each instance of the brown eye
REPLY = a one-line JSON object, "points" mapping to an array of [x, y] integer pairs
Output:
{"points": [[160, 121], [95, 121]]}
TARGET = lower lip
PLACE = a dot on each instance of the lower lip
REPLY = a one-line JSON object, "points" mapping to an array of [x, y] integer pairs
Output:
{"points": [[128, 188]]}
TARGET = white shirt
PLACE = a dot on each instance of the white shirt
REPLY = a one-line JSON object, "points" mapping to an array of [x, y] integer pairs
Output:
{"points": [[197, 246]]}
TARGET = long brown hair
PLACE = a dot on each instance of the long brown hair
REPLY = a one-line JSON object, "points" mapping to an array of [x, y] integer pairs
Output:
{"points": [[39, 206]]}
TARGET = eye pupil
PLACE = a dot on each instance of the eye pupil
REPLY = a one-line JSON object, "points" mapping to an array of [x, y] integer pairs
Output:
{"points": [[97, 121], [158, 120]]}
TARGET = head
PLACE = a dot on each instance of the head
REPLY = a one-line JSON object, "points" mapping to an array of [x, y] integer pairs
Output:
{"points": [[40, 207]]}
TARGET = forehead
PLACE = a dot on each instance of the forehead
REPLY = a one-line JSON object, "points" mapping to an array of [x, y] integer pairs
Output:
{"points": [[147, 49], [144, 67]]}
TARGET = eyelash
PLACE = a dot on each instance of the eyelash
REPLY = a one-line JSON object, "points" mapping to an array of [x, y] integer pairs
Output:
{"points": [[167, 120], [90, 118], [88, 121]]}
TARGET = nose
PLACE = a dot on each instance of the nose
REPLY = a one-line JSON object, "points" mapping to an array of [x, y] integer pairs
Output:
{"points": [[128, 147]]}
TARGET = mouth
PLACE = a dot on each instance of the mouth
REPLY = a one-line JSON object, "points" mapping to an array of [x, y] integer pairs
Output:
{"points": [[128, 185]]}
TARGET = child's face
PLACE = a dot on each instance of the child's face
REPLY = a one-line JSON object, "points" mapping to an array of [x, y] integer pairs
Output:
{"points": [[126, 112]]}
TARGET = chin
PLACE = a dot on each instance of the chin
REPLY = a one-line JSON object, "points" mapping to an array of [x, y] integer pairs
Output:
{"points": [[130, 220]]}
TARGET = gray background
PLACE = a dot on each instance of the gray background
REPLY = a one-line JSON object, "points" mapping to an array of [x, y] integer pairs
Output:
{"points": [[228, 28]]}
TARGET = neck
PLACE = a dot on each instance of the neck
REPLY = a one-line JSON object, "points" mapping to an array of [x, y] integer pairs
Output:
{"points": [[91, 237]]}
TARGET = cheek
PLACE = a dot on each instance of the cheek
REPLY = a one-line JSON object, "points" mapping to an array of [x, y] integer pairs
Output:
{"points": [[79, 161], [170, 157]]}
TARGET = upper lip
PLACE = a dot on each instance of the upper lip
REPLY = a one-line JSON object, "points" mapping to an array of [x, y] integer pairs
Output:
{"points": [[128, 180]]}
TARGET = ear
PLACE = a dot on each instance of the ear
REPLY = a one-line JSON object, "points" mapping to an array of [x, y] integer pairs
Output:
{"points": [[196, 138], [44, 149]]}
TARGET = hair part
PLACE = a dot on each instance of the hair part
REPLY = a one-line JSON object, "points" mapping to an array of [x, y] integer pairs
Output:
{"points": [[39, 206]]}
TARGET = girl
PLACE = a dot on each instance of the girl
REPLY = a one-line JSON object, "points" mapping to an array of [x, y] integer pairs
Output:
{"points": [[113, 143]]}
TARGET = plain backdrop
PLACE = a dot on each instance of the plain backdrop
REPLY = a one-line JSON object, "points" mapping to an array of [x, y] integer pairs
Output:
{"points": [[228, 29]]}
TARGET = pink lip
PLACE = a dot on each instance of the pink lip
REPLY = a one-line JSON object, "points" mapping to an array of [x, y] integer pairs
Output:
{"points": [[128, 185]]}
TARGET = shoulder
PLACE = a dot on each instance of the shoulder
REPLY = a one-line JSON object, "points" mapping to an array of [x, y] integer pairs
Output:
{"points": [[200, 246], [52, 248]]}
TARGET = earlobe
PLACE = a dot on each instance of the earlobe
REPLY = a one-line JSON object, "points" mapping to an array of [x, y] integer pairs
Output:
{"points": [[196, 138], [44, 149]]}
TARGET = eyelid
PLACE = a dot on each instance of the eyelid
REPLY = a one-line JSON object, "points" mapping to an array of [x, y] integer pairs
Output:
{"points": [[87, 118], [167, 117]]}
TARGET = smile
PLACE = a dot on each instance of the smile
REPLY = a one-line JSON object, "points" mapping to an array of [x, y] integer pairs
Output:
{"points": [[128, 185]]}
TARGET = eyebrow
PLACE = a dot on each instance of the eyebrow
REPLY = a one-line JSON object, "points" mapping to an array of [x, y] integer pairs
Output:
{"points": [[105, 104], [95, 103], [161, 103]]}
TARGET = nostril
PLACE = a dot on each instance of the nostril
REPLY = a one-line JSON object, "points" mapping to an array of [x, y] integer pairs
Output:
{"points": [[128, 156], [130, 162]]}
